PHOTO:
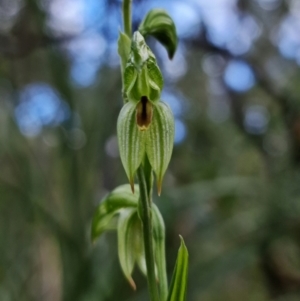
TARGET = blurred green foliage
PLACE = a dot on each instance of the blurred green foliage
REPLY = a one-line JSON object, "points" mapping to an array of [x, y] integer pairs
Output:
{"points": [[232, 194]]}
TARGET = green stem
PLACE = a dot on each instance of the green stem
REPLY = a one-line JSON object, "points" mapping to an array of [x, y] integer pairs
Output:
{"points": [[127, 17], [148, 172], [146, 216]]}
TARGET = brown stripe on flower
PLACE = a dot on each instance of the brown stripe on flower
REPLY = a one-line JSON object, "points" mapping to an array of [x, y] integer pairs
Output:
{"points": [[144, 112]]}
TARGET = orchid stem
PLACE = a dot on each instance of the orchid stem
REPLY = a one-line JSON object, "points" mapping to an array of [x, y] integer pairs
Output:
{"points": [[146, 216], [127, 17]]}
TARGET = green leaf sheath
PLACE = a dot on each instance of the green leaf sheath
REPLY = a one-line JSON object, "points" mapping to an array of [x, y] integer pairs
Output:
{"points": [[126, 248], [159, 24], [160, 140], [110, 205], [131, 141], [160, 253], [177, 291]]}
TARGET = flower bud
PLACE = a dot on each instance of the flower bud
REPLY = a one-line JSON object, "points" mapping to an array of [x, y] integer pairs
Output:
{"points": [[142, 76], [110, 205]]}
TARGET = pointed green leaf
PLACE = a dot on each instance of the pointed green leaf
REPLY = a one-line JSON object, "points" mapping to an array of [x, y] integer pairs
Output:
{"points": [[160, 140], [126, 248], [131, 141], [111, 204], [159, 24], [177, 291], [160, 253], [124, 45]]}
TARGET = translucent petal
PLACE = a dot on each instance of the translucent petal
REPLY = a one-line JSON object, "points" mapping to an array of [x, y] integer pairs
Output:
{"points": [[160, 140], [131, 141], [126, 248]]}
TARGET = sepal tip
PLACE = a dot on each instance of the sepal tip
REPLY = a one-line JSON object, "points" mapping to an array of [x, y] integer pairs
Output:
{"points": [[159, 187], [132, 184], [132, 283]]}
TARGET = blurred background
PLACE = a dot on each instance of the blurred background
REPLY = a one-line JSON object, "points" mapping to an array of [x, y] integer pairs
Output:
{"points": [[233, 186]]}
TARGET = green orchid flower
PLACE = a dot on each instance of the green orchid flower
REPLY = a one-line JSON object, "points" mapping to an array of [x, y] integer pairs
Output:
{"points": [[122, 205], [145, 124]]}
